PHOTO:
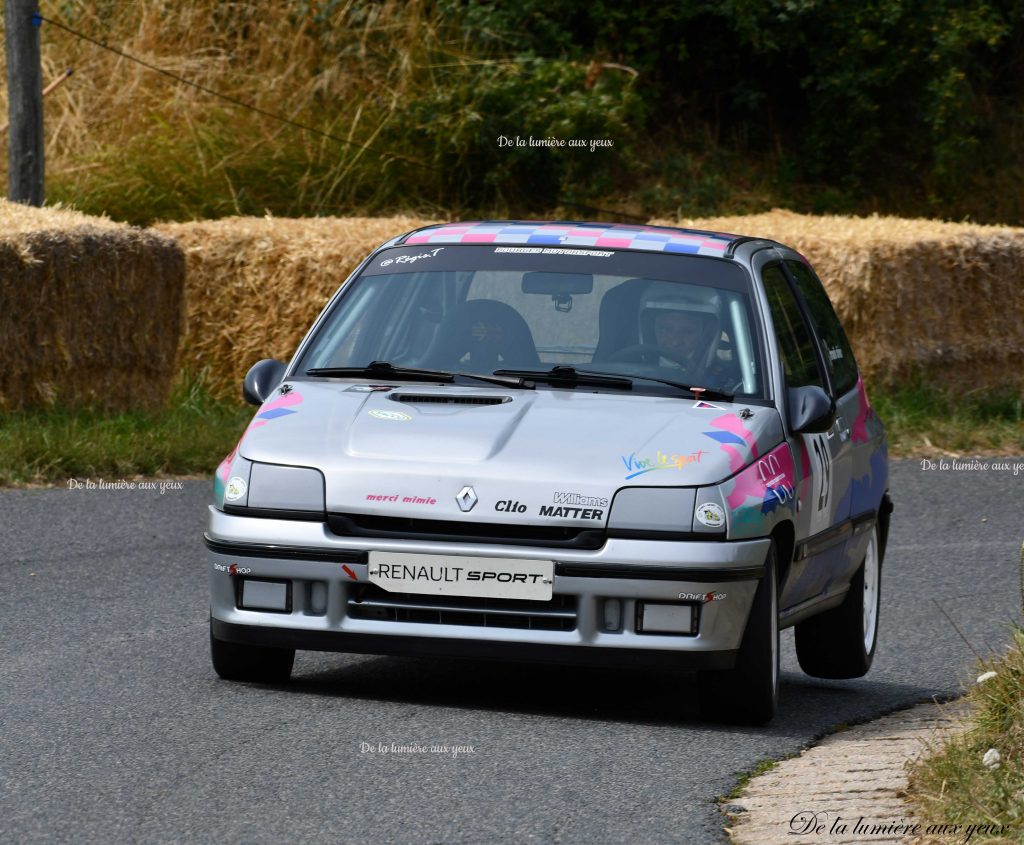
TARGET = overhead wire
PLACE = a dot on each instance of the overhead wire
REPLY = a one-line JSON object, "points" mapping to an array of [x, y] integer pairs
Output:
{"points": [[226, 97]]}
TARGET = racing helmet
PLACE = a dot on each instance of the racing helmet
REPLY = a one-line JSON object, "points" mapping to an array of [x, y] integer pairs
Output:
{"points": [[697, 323]]}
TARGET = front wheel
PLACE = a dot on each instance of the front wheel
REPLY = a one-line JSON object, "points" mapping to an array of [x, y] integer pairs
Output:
{"points": [[259, 664], [749, 692], [840, 643]]}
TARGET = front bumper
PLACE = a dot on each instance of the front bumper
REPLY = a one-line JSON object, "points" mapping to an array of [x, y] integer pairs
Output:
{"points": [[592, 618]]}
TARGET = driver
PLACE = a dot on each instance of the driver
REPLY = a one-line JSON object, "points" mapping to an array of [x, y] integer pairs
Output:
{"points": [[686, 333], [680, 333]]}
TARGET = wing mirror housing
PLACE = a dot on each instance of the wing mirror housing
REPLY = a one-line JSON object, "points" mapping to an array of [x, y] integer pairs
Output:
{"points": [[811, 411], [261, 380]]}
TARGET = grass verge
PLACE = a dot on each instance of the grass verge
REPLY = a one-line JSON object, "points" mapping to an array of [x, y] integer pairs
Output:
{"points": [[924, 422], [189, 436], [195, 430], [977, 779]]}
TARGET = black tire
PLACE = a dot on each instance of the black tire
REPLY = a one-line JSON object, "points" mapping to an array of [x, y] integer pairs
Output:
{"points": [[749, 692], [259, 664], [840, 643]]}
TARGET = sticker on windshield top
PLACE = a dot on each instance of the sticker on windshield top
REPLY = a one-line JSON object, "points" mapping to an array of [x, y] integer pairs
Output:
{"points": [[537, 250], [410, 259]]}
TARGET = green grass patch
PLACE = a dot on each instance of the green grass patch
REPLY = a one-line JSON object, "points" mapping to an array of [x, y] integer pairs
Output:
{"points": [[190, 436], [743, 778], [922, 421], [977, 778]]}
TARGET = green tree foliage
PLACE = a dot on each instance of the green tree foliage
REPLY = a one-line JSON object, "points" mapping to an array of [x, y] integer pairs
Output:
{"points": [[854, 94], [713, 106]]}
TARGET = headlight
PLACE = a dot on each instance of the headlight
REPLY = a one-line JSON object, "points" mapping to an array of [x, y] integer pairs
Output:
{"points": [[269, 487], [274, 487], [642, 510]]}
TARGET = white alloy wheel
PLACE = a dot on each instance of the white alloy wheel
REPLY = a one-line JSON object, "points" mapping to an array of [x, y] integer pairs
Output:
{"points": [[871, 593]]}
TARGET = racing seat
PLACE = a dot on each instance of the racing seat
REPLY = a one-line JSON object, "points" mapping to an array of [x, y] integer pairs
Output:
{"points": [[483, 335], [615, 328]]}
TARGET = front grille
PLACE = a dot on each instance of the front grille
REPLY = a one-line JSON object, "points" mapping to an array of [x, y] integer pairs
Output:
{"points": [[368, 601], [439, 399], [404, 528]]}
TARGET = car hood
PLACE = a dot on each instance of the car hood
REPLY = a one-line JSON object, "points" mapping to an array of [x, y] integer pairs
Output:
{"points": [[409, 451]]}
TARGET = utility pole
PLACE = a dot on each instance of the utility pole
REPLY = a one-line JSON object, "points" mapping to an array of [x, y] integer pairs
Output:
{"points": [[25, 102]]}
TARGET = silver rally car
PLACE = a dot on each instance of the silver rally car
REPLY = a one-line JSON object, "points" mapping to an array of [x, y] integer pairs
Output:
{"points": [[567, 442]]}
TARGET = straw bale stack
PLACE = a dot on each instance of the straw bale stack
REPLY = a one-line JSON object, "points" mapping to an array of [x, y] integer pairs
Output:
{"points": [[918, 298], [255, 285], [91, 311]]}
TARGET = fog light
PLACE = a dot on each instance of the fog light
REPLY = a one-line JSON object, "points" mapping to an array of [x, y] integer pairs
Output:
{"points": [[612, 614], [664, 618], [318, 598], [265, 595]]}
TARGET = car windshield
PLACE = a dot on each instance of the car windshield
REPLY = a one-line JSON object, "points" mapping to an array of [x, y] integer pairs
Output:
{"points": [[479, 309]]}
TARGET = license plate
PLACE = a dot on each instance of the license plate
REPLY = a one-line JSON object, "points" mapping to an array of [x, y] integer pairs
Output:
{"points": [[455, 575]]}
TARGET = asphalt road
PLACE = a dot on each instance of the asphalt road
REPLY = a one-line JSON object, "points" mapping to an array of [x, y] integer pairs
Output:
{"points": [[114, 728]]}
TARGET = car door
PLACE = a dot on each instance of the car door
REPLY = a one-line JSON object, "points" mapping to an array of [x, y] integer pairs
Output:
{"points": [[822, 461], [862, 484]]}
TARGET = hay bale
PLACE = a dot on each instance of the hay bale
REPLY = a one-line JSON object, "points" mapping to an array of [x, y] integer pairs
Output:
{"points": [[255, 285], [919, 298], [91, 311]]}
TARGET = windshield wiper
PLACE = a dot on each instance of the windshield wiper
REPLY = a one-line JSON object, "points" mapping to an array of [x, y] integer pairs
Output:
{"points": [[570, 375], [696, 390], [387, 370]]}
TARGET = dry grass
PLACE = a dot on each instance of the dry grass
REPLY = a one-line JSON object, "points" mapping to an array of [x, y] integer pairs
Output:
{"points": [[255, 285], [141, 146], [90, 311], [920, 299], [953, 785]]}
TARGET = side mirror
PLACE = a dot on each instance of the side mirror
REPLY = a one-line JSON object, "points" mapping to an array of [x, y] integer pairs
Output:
{"points": [[810, 410], [261, 380]]}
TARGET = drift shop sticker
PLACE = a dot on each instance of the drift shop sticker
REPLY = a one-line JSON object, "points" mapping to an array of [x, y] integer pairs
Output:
{"points": [[710, 514], [703, 598]]}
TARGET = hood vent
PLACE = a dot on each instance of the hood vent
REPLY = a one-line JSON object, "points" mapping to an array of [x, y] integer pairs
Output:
{"points": [[447, 399]]}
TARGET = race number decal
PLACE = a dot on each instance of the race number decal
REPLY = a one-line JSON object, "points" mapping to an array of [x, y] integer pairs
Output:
{"points": [[821, 481]]}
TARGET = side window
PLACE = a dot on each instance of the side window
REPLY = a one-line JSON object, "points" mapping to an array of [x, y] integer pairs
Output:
{"points": [[837, 351], [796, 344]]}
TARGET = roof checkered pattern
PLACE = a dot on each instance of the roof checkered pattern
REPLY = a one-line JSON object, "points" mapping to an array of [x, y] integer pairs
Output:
{"points": [[606, 235]]}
